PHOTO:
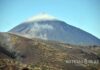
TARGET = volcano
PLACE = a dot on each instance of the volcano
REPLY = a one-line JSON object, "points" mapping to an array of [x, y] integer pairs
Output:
{"points": [[47, 27], [43, 42]]}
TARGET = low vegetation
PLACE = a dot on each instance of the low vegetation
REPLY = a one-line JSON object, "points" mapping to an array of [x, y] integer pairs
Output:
{"points": [[35, 54]]}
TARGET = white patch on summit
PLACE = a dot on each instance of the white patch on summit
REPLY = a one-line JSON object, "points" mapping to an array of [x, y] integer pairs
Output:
{"points": [[39, 17], [39, 27]]}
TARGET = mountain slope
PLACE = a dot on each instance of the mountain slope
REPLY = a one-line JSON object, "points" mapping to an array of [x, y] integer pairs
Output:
{"points": [[48, 28], [44, 54]]}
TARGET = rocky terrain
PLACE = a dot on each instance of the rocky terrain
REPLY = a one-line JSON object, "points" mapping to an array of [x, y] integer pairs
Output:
{"points": [[20, 53]]}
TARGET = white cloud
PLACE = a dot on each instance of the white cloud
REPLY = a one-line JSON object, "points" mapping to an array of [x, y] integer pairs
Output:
{"points": [[41, 16]]}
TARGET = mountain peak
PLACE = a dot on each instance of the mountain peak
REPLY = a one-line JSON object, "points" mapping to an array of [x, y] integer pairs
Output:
{"points": [[41, 16]]}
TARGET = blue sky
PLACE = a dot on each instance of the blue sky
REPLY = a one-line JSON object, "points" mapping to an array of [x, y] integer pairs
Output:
{"points": [[84, 14]]}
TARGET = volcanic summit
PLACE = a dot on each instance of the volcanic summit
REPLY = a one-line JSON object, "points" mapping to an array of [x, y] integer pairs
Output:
{"points": [[47, 27]]}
